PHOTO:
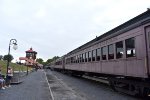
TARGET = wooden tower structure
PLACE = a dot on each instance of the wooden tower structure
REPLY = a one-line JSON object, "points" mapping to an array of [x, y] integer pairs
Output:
{"points": [[30, 59]]}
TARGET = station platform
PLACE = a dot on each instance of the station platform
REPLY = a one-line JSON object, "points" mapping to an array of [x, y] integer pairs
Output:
{"points": [[34, 87]]}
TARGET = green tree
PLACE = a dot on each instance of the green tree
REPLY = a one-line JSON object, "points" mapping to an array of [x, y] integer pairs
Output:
{"points": [[51, 60], [39, 60], [55, 57], [1, 57], [8, 57], [48, 61]]}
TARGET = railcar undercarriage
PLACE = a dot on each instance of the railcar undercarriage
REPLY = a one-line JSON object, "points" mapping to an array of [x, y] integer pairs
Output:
{"points": [[132, 86]]}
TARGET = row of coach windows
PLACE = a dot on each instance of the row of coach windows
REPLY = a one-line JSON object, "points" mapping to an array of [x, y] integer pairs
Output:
{"points": [[58, 63], [107, 52]]}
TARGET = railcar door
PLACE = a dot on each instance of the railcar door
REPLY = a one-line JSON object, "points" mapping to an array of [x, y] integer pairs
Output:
{"points": [[147, 31]]}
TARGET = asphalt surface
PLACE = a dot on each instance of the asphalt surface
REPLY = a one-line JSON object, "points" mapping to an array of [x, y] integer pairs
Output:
{"points": [[40, 85], [92, 90], [60, 90], [34, 87], [51, 85]]}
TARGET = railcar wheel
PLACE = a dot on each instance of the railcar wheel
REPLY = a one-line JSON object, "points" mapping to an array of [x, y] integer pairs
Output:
{"points": [[124, 86], [146, 93]]}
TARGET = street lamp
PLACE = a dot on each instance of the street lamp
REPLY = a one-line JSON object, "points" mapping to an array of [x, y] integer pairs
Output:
{"points": [[14, 43]]}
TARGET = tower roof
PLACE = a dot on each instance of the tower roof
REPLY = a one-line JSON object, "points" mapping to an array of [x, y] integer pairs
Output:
{"points": [[31, 50]]}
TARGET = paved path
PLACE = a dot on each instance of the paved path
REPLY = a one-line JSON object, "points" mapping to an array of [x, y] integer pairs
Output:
{"points": [[35, 87]]}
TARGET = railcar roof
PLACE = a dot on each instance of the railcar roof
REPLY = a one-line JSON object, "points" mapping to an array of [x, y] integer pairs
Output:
{"points": [[118, 28]]}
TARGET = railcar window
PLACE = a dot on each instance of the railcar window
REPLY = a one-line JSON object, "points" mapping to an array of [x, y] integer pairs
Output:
{"points": [[130, 47], [89, 56], [67, 60], [80, 58], [83, 57], [104, 53], [98, 53], [86, 56], [59, 63], [119, 49], [111, 51], [149, 38], [93, 55], [71, 59], [76, 59]]}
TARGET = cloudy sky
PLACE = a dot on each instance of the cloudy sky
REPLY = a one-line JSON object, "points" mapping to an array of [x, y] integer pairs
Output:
{"points": [[55, 27]]}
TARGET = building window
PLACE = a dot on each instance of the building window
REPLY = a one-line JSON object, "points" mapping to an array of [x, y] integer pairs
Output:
{"points": [[130, 47], [89, 56], [104, 53], [98, 53], [93, 55], [111, 51], [119, 49]]}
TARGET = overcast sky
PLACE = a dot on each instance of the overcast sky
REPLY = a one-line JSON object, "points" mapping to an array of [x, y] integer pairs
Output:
{"points": [[55, 27]]}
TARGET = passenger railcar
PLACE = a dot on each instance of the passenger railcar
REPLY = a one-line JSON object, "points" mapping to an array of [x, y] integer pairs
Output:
{"points": [[58, 64], [122, 55]]}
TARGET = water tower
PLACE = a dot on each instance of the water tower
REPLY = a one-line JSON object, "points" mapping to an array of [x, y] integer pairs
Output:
{"points": [[30, 54], [30, 59]]}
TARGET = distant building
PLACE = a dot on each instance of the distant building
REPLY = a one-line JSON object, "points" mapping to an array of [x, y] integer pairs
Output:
{"points": [[30, 59]]}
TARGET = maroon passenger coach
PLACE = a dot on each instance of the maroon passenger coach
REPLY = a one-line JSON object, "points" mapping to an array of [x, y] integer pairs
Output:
{"points": [[121, 54]]}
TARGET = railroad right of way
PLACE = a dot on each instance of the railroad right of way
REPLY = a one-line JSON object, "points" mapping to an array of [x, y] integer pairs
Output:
{"points": [[59, 90]]}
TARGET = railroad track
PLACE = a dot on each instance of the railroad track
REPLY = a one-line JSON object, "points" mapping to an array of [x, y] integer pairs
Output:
{"points": [[98, 79]]}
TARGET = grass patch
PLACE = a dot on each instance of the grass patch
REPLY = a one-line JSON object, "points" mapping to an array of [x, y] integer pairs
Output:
{"points": [[14, 66]]}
